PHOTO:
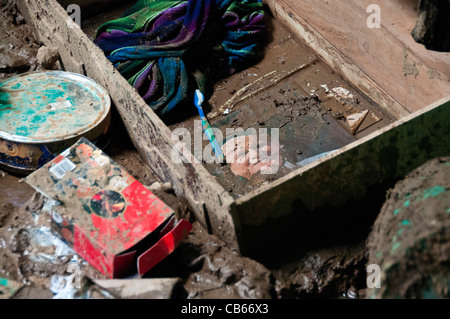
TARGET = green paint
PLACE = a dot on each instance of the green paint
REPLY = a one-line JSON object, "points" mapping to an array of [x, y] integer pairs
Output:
{"points": [[400, 232], [433, 192], [395, 246], [379, 254], [3, 282], [406, 223], [396, 212], [407, 203], [48, 105]]}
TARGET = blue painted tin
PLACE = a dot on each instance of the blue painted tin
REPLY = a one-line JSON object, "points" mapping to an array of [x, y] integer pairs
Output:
{"points": [[43, 113]]}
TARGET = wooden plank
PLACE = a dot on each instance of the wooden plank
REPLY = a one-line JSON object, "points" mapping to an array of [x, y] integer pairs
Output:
{"points": [[374, 60], [399, 18], [392, 152], [211, 204]]}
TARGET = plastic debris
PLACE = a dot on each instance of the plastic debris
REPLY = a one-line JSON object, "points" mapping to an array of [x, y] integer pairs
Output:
{"points": [[68, 287]]}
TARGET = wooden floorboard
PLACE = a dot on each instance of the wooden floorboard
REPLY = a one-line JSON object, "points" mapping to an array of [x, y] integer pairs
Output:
{"points": [[412, 76]]}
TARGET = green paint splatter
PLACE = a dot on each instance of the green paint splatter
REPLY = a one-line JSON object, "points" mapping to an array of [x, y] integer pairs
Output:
{"points": [[395, 246], [379, 254], [406, 223], [433, 192], [396, 212], [407, 203], [3, 282], [400, 232]]}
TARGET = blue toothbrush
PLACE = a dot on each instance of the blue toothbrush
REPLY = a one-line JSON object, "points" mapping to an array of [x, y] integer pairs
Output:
{"points": [[198, 100]]}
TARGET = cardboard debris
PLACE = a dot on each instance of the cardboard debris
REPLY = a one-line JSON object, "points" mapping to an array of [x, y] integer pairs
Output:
{"points": [[107, 216], [355, 120], [154, 288]]}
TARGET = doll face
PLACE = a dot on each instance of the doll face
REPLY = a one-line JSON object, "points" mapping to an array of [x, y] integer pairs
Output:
{"points": [[247, 157]]}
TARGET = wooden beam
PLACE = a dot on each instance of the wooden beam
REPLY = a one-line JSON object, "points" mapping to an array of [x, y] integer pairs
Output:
{"points": [[399, 18], [346, 174]]}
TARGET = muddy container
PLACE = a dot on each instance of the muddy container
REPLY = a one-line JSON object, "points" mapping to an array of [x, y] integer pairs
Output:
{"points": [[44, 113]]}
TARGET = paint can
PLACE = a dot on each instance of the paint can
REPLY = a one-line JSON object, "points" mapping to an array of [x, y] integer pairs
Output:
{"points": [[44, 113]]}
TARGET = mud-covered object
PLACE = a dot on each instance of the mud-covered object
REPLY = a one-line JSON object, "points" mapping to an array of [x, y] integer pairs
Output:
{"points": [[433, 25], [166, 49], [410, 240]]}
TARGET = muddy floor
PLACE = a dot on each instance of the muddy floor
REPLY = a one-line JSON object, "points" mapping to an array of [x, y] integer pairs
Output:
{"points": [[32, 257], [411, 236]]}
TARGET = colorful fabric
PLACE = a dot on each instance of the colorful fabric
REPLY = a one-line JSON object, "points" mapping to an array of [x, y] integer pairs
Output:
{"points": [[167, 49]]}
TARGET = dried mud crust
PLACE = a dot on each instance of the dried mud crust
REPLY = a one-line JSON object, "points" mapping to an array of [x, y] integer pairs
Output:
{"points": [[410, 240]]}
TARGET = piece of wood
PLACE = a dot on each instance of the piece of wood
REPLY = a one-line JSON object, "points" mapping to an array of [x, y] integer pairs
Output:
{"points": [[399, 18], [389, 153], [355, 120], [375, 60]]}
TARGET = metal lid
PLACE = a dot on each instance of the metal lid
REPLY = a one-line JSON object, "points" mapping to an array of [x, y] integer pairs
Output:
{"points": [[50, 106]]}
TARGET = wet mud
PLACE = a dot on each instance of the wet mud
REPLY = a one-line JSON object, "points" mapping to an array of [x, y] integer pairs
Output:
{"points": [[18, 47], [410, 240]]}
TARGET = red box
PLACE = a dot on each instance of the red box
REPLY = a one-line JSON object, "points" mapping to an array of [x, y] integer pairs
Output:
{"points": [[107, 216]]}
